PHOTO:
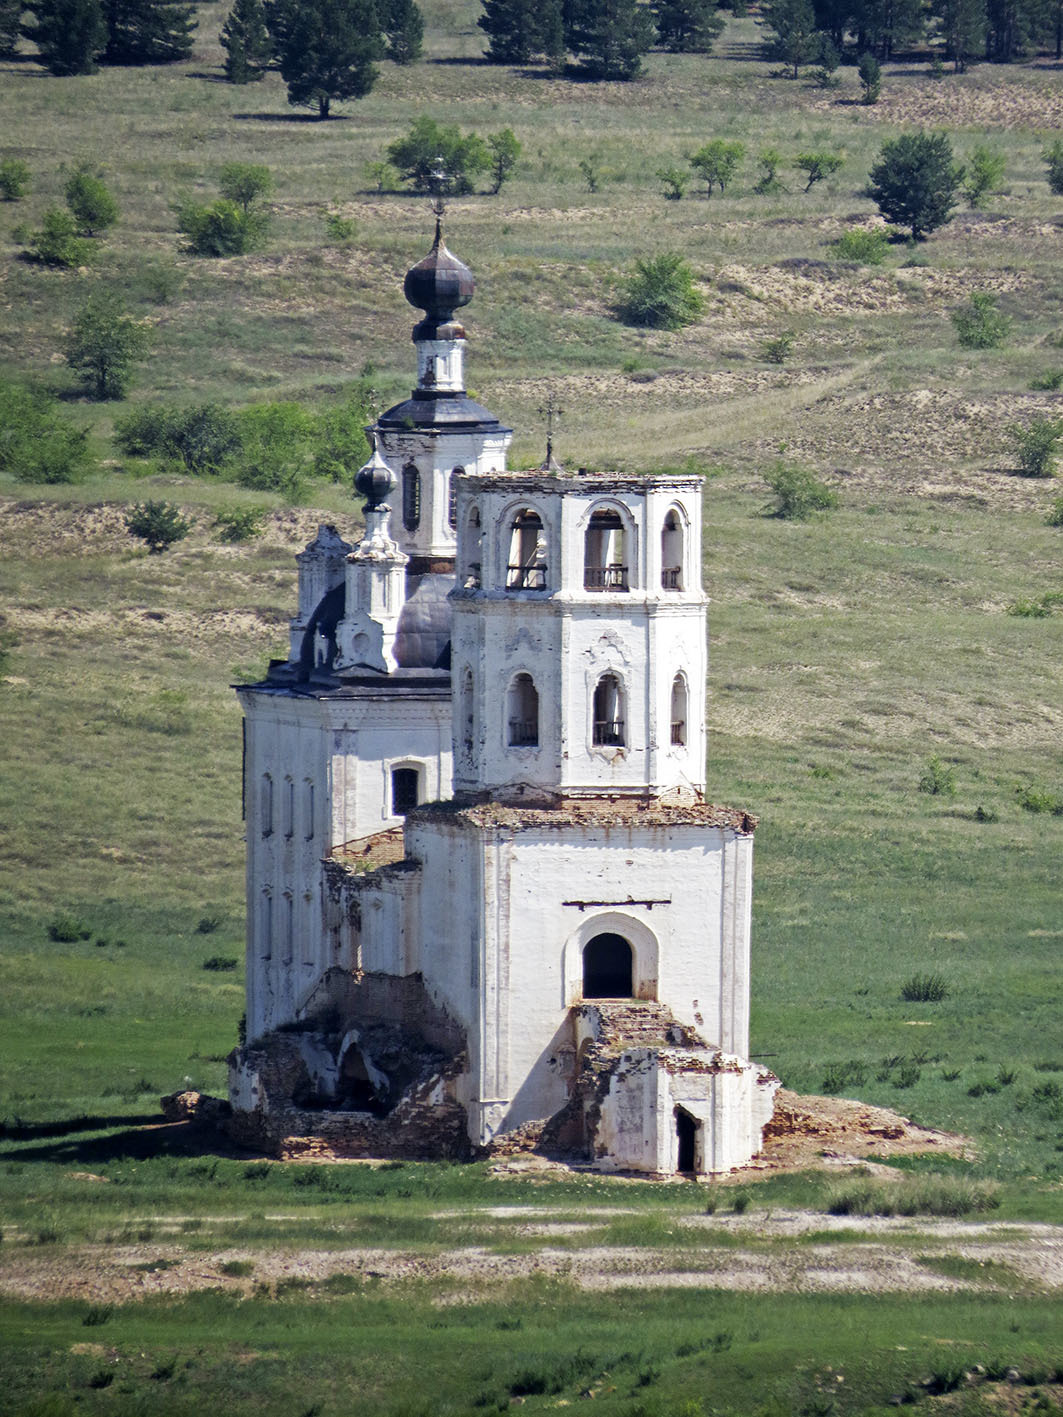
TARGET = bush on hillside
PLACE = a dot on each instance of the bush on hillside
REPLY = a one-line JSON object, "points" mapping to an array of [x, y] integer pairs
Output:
{"points": [[429, 147], [1037, 445], [103, 343], [57, 243], [38, 443], [223, 228], [983, 174], [660, 293], [158, 524], [14, 179], [798, 493], [203, 437], [235, 524], [979, 324], [938, 780], [91, 204], [914, 181], [1053, 157], [717, 162], [865, 245]]}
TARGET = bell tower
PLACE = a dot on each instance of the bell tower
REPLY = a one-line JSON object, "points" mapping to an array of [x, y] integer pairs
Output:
{"points": [[439, 432], [579, 649]]}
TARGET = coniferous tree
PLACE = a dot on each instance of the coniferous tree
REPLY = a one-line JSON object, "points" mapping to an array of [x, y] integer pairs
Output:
{"points": [[148, 31], [609, 37], [69, 35], [520, 30], [403, 27], [246, 42], [326, 49], [687, 26], [10, 26], [963, 26], [796, 37], [885, 25]]}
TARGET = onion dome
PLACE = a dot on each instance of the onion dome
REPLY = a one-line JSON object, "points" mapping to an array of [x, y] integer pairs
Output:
{"points": [[439, 285], [375, 481]]}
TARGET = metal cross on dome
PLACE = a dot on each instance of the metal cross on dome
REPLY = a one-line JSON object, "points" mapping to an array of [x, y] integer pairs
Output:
{"points": [[438, 183]]}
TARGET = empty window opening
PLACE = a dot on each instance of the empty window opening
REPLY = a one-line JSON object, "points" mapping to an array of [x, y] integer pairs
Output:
{"points": [[604, 566], [267, 805], [289, 928], [405, 790], [465, 715], [672, 552], [522, 713], [357, 1090], [411, 497], [679, 711], [289, 808], [607, 968], [267, 926], [473, 552], [527, 552], [309, 811], [452, 496], [608, 725], [686, 1131]]}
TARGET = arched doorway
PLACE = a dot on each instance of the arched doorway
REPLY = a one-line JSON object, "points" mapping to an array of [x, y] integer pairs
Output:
{"points": [[608, 968], [686, 1130]]}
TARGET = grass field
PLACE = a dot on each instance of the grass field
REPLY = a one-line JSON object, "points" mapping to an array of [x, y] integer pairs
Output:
{"points": [[846, 652]]}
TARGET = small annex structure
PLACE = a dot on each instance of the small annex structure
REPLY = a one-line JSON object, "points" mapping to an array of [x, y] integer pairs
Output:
{"points": [[488, 905]]}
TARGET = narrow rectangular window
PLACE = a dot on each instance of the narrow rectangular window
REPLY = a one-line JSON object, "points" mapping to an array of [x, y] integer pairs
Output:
{"points": [[309, 811]]}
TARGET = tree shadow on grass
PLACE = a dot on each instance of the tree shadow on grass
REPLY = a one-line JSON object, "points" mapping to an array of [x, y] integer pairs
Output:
{"points": [[292, 118], [142, 1138]]}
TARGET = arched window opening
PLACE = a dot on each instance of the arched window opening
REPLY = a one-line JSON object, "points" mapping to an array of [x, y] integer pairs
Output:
{"points": [[522, 712], [604, 565], [452, 496], [473, 552], [465, 716], [679, 710], [686, 1132], [527, 552], [411, 497], [405, 790], [267, 805], [608, 719], [608, 968], [672, 552]]}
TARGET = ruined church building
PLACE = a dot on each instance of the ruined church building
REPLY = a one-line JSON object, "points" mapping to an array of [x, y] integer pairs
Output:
{"points": [[488, 905]]}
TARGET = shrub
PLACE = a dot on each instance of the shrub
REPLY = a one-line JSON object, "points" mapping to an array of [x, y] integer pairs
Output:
{"points": [[341, 446], [14, 179], [979, 324], [204, 437], [660, 293], [222, 229], [817, 165], [867, 245], [914, 181], [220, 964], [158, 282], [239, 524], [159, 524], [1049, 383], [870, 74], [1037, 800], [770, 160], [1036, 446], [57, 243], [209, 923], [339, 228], [1053, 157], [937, 779], [983, 173], [276, 447], [798, 492], [504, 151], [90, 202], [37, 442], [591, 168], [840, 1076], [102, 345], [1055, 513], [717, 162], [64, 928], [382, 175], [1028, 607], [675, 180], [924, 989], [778, 349], [245, 183], [462, 156], [926, 1195]]}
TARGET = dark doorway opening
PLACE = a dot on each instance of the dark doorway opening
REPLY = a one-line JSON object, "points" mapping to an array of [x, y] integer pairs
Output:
{"points": [[404, 787], [686, 1130], [607, 968]]}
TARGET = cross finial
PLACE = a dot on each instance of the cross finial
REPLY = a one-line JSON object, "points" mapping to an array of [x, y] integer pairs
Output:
{"points": [[438, 182], [550, 411]]}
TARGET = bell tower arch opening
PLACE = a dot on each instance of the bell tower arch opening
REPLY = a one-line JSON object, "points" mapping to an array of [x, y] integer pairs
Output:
{"points": [[608, 968]]}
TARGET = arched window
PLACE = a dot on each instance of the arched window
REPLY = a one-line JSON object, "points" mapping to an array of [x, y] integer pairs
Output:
{"points": [[452, 496], [527, 552], [405, 790], [411, 497], [522, 713], [604, 563], [472, 551], [679, 710], [608, 717], [672, 552], [608, 968], [267, 805], [465, 716]]}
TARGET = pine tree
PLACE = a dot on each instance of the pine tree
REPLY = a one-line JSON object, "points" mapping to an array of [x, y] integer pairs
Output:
{"points": [[520, 30], [885, 25], [687, 26], [403, 26], [10, 26], [796, 40], [245, 39], [327, 50], [610, 37], [69, 35], [963, 25], [148, 31]]}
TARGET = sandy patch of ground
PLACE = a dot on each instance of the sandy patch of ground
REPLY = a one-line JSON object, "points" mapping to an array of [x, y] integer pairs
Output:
{"points": [[981, 98]]}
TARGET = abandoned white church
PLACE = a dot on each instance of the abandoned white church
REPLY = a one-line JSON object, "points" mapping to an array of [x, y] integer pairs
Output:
{"points": [[488, 905]]}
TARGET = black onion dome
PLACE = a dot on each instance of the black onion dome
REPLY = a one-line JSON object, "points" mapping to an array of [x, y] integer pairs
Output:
{"points": [[440, 284]]}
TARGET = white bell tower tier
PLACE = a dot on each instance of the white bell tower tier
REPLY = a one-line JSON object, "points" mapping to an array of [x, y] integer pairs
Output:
{"points": [[579, 651], [438, 432]]}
